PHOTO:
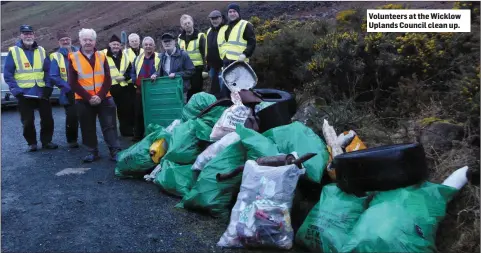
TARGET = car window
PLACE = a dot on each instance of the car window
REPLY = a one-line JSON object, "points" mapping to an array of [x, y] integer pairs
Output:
{"points": [[4, 57]]}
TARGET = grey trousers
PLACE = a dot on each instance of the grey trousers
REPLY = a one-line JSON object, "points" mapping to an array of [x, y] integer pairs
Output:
{"points": [[106, 112]]}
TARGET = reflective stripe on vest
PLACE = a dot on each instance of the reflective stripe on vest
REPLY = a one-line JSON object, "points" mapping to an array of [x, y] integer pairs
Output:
{"points": [[131, 54], [235, 45], [114, 72], [139, 61], [192, 49], [91, 79], [27, 75], [61, 64]]}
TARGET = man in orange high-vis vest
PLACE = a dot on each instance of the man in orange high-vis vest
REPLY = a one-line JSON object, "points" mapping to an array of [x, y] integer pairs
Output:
{"points": [[89, 77]]}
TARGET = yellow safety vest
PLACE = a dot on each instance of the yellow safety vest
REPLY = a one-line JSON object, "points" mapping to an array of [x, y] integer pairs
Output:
{"points": [[235, 45], [131, 54], [139, 60], [207, 35], [193, 49], [114, 72], [27, 75], [61, 64]]}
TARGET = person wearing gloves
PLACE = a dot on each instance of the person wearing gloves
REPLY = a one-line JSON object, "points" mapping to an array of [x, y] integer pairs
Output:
{"points": [[175, 62], [26, 73], [236, 40], [193, 43], [135, 49], [214, 62], [122, 90], [89, 77], [58, 75], [144, 66]]}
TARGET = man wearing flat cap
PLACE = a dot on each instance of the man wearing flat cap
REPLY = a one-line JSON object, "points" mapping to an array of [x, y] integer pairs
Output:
{"points": [[175, 62], [236, 40], [122, 89], [59, 64], [214, 62], [26, 72]]}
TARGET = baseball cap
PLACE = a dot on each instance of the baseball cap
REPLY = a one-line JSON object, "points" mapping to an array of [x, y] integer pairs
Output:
{"points": [[167, 35], [215, 14], [26, 28]]}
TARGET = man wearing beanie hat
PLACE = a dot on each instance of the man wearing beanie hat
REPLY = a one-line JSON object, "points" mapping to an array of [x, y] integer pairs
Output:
{"points": [[122, 89], [233, 46], [58, 75]]}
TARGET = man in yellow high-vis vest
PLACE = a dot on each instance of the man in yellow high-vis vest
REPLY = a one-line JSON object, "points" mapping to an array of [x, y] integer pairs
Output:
{"points": [[193, 43], [59, 77], [134, 50], [122, 89], [236, 40], [26, 72]]}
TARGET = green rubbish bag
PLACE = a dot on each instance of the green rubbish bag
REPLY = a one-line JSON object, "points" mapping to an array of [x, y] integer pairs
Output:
{"points": [[401, 220], [255, 143], [197, 103], [328, 224], [211, 196], [174, 178], [300, 138], [135, 161], [203, 126], [183, 146]]}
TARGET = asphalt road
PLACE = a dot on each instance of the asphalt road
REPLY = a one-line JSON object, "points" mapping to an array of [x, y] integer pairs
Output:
{"points": [[90, 212]]}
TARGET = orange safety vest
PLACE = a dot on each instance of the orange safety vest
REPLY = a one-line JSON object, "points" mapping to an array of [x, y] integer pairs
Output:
{"points": [[90, 79]]}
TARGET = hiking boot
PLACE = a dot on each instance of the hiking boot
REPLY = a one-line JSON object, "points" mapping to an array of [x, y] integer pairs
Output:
{"points": [[32, 148], [113, 154], [50, 145], [73, 145], [91, 157]]}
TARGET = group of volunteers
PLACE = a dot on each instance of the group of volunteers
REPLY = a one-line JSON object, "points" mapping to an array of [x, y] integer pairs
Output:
{"points": [[105, 83]]}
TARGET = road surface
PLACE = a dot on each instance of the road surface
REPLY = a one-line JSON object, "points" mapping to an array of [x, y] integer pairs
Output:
{"points": [[93, 211]]}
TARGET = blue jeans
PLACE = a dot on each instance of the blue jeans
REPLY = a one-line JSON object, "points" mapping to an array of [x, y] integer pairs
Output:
{"points": [[224, 91], [214, 81]]}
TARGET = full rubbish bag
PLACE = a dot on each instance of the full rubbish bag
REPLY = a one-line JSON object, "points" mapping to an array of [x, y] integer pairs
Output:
{"points": [[297, 137], [214, 149], [328, 224], [204, 125], [183, 146], [261, 215], [135, 161], [401, 220], [174, 178], [236, 114], [213, 197], [196, 104], [255, 143]]}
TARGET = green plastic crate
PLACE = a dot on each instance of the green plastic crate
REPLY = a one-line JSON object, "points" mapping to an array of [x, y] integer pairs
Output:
{"points": [[163, 100]]}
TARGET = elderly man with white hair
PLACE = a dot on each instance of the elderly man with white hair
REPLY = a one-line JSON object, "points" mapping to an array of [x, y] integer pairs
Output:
{"points": [[89, 77], [144, 66], [134, 50]]}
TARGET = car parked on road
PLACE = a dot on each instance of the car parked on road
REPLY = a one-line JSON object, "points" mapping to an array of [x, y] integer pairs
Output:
{"points": [[7, 97]]}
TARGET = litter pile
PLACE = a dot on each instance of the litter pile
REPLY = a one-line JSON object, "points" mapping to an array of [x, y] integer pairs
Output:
{"points": [[225, 159]]}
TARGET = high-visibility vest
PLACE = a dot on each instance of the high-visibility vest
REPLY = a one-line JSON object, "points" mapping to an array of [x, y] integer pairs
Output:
{"points": [[140, 60], [91, 79], [131, 54], [207, 36], [193, 49], [235, 45], [114, 72], [61, 64], [27, 75]]}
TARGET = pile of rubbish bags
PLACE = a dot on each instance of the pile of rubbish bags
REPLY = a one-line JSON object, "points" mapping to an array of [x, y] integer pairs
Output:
{"points": [[220, 166]]}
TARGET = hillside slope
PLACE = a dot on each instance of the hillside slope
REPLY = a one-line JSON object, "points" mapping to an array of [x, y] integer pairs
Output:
{"points": [[146, 18]]}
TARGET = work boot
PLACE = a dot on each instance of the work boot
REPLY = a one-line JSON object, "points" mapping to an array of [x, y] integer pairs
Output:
{"points": [[113, 154], [50, 145], [32, 148], [73, 145], [91, 157]]}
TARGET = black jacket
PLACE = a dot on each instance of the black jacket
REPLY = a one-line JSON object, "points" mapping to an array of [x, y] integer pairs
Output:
{"points": [[192, 37], [213, 57], [249, 35]]}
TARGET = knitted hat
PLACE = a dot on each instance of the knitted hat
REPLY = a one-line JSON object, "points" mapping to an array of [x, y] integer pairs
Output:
{"points": [[234, 6], [62, 34], [115, 38]]}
